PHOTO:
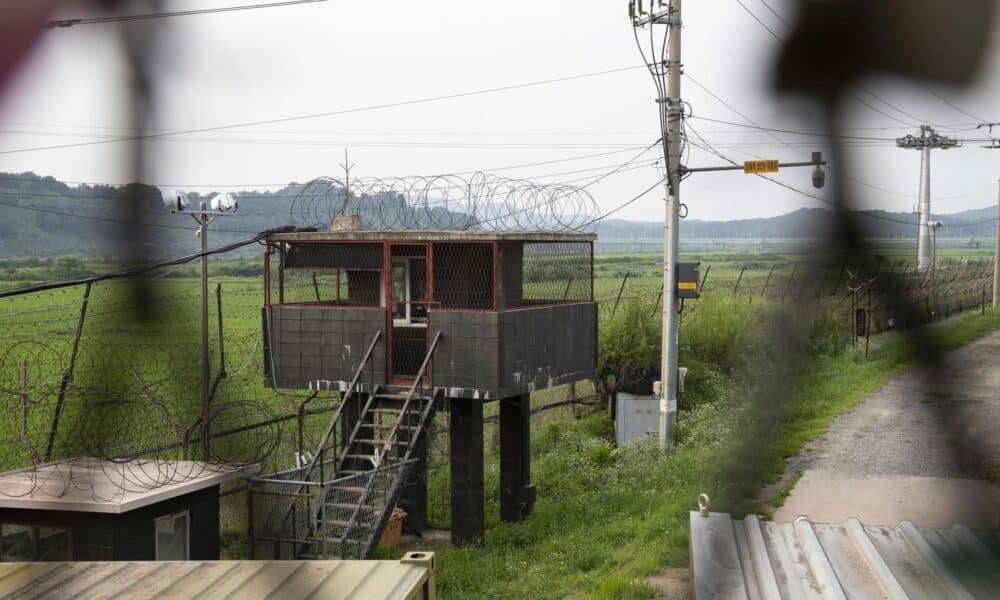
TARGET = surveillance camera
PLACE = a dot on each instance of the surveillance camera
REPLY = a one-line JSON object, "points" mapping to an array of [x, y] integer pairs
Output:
{"points": [[819, 178], [175, 200], [224, 202]]}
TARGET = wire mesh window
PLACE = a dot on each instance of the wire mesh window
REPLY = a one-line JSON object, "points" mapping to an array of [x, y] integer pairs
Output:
{"points": [[463, 275], [546, 273], [330, 274]]}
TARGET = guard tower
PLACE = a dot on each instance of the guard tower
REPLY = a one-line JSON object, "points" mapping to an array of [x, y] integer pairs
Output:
{"points": [[405, 323]]}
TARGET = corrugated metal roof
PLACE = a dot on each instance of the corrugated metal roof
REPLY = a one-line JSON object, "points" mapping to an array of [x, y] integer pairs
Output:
{"points": [[751, 558], [409, 578]]}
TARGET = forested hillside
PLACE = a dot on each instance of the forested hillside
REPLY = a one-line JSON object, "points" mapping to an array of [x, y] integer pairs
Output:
{"points": [[41, 216]]}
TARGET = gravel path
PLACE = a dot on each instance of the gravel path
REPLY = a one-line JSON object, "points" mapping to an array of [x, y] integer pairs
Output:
{"points": [[890, 458], [897, 430]]}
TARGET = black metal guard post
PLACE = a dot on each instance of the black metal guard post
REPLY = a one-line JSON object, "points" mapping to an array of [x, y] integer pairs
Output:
{"points": [[620, 290], [68, 374]]}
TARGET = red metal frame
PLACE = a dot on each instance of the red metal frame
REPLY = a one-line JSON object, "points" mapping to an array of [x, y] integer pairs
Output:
{"points": [[389, 302], [591, 271], [493, 283], [387, 286]]}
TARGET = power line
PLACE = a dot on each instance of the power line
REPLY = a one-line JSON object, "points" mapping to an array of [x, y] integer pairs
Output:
{"points": [[110, 219], [145, 136], [251, 185], [945, 100], [623, 204], [146, 269], [853, 96], [179, 13]]}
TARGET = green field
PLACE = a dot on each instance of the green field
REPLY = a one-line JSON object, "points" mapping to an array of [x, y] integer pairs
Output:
{"points": [[606, 517]]}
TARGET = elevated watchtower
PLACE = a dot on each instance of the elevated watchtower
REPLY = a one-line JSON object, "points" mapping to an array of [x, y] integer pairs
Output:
{"points": [[461, 317]]}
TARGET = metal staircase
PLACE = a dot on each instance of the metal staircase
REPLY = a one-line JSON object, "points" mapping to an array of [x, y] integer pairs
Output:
{"points": [[348, 497]]}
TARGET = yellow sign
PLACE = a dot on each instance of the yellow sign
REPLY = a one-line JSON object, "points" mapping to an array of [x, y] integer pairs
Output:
{"points": [[687, 285], [760, 166]]}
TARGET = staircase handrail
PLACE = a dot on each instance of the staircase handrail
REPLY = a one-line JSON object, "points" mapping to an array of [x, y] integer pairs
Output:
{"points": [[320, 449], [343, 402]]}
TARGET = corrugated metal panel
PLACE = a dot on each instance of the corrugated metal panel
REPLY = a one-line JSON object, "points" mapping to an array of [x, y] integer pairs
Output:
{"points": [[752, 559], [409, 578]]}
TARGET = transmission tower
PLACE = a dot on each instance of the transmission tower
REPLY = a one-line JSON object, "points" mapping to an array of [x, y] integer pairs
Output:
{"points": [[927, 140]]}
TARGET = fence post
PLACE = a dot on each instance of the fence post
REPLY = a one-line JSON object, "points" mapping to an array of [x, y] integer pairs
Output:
{"points": [[738, 279], [68, 374], [791, 278], [704, 277], [763, 290], [620, 290]]}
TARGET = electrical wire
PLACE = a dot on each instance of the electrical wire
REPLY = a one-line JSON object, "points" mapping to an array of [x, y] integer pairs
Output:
{"points": [[154, 135], [62, 23], [145, 269], [853, 96], [945, 100]]}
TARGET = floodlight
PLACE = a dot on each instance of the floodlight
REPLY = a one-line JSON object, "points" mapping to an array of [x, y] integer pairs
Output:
{"points": [[225, 202]]}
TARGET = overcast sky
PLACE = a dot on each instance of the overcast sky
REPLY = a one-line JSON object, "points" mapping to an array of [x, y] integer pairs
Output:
{"points": [[272, 63]]}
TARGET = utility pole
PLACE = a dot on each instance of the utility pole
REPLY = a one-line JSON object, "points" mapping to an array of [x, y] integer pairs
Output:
{"points": [[996, 258], [221, 205], [671, 114], [206, 372], [928, 140]]}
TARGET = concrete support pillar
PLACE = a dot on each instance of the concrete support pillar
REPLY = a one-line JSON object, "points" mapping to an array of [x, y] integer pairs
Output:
{"points": [[467, 502], [414, 495], [516, 493]]}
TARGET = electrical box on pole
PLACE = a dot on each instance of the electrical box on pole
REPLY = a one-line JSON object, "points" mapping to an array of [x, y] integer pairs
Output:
{"points": [[688, 280]]}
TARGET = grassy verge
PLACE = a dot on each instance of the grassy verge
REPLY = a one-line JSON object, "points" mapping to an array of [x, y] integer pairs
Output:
{"points": [[607, 518]]}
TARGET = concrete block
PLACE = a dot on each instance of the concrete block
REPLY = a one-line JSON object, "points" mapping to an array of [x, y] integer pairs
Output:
{"points": [[310, 314]]}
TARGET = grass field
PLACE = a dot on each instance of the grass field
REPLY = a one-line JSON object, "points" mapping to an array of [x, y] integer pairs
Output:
{"points": [[606, 517]]}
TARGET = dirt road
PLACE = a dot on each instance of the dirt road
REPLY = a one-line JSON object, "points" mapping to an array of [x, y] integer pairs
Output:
{"points": [[891, 458]]}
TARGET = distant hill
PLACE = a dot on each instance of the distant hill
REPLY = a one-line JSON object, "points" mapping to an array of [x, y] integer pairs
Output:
{"points": [[42, 216], [806, 223]]}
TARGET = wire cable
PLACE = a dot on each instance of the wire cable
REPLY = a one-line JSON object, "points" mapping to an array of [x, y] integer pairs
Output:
{"points": [[53, 285], [163, 134], [62, 23]]}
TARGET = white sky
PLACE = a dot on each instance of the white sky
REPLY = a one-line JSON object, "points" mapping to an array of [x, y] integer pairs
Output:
{"points": [[272, 63]]}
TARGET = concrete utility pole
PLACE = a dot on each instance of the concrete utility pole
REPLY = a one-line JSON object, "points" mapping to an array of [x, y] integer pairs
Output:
{"points": [[671, 114], [996, 257], [206, 369], [928, 139]]}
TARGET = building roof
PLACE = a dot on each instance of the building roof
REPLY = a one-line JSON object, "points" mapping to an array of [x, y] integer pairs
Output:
{"points": [[371, 235], [105, 486], [750, 558], [244, 579]]}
